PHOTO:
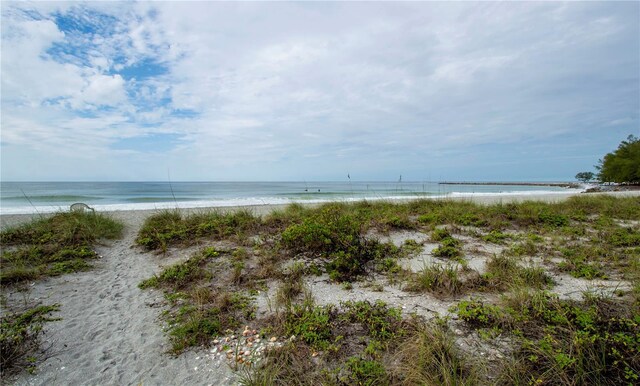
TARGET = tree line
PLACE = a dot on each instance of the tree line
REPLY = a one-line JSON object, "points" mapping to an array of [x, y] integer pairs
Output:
{"points": [[620, 166]]}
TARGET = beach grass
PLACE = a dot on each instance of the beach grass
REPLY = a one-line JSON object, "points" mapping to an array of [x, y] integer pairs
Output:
{"points": [[55, 245]]}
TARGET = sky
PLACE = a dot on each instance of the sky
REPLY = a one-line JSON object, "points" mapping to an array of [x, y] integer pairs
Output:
{"points": [[291, 91]]}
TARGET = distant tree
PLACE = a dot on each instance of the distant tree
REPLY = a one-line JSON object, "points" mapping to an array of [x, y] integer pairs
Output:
{"points": [[622, 165], [585, 176]]}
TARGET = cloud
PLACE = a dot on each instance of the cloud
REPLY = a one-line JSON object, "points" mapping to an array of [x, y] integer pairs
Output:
{"points": [[278, 90]]}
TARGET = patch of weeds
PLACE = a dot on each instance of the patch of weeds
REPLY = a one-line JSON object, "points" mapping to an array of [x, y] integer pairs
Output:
{"points": [[347, 286], [199, 311], [529, 247], [563, 341], [398, 221], [471, 219], [362, 371], [496, 237], [236, 275], [439, 234], [582, 262], [389, 265], [55, 245], [69, 266], [311, 324], [193, 327], [621, 237], [180, 275], [581, 269], [314, 269], [410, 247], [286, 365], [438, 279], [381, 322], [430, 218], [547, 217], [481, 315], [204, 315], [292, 285], [449, 248], [20, 337]]}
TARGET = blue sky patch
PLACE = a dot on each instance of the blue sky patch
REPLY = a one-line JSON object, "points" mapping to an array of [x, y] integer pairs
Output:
{"points": [[147, 68], [85, 21]]}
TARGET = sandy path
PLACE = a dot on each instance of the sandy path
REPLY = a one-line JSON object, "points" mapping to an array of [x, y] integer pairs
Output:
{"points": [[110, 332]]}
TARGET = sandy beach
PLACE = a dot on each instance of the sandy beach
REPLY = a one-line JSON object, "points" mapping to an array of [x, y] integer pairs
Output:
{"points": [[110, 331]]}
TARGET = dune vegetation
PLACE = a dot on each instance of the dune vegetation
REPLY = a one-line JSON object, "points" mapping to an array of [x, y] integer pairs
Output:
{"points": [[501, 272]]}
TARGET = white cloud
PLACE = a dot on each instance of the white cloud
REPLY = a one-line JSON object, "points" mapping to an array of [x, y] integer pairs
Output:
{"points": [[265, 85], [102, 90]]}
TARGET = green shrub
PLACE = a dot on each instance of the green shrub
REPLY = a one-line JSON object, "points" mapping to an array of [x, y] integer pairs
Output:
{"points": [[564, 342], [337, 237], [553, 219], [440, 234], [478, 314]]}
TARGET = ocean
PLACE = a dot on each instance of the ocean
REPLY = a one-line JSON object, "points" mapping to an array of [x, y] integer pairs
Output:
{"points": [[45, 197]]}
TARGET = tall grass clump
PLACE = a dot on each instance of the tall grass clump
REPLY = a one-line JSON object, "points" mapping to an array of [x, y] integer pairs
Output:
{"points": [[428, 355], [438, 279], [292, 285], [503, 272], [52, 246]]}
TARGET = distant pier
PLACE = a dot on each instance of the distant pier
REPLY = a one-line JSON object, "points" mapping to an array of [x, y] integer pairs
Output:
{"points": [[557, 184]]}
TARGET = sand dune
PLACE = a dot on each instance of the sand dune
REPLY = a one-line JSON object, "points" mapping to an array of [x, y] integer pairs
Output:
{"points": [[110, 332]]}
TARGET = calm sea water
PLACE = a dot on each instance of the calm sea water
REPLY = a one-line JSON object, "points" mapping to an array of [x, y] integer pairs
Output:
{"points": [[30, 197]]}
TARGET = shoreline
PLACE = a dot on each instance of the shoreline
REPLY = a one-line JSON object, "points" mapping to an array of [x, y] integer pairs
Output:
{"points": [[9, 220]]}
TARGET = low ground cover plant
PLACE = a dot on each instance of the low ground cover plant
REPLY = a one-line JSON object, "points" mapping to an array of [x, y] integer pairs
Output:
{"points": [[199, 309], [53, 245], [362, 343], [596, 341], [20, 333]]}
